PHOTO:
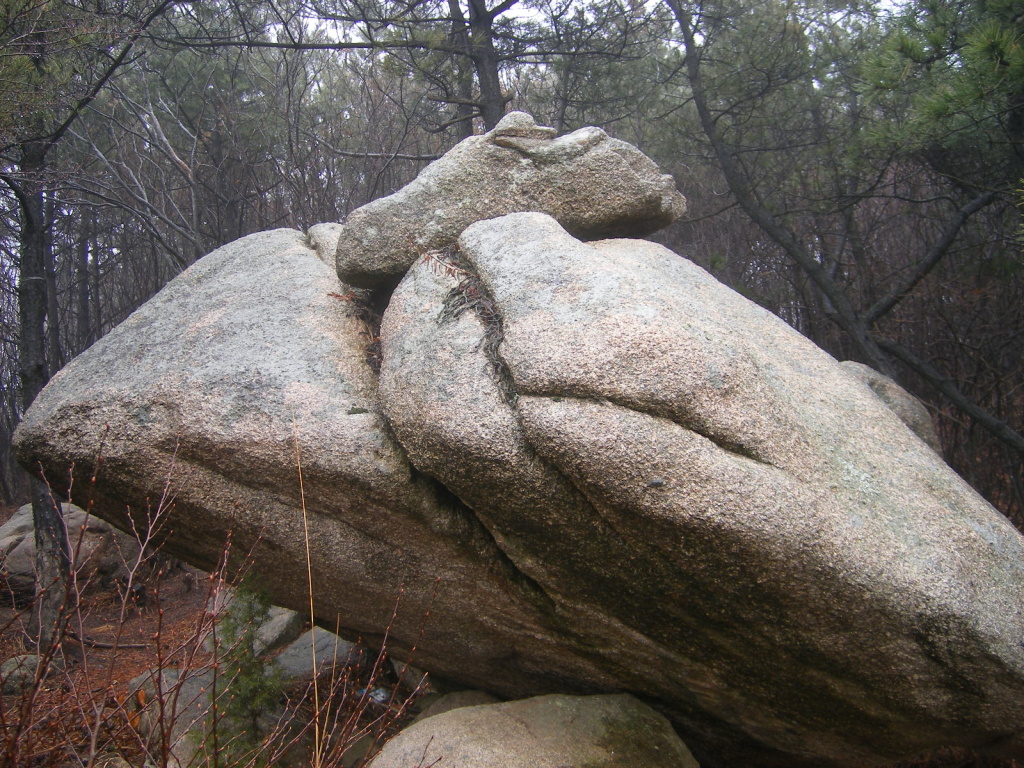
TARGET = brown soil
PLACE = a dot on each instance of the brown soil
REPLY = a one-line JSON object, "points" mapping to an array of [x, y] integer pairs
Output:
{"points": [[86, 711], [85, 705]]}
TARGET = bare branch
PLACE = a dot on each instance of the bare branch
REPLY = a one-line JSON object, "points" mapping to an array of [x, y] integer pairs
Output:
{"points": [[930, 259], [998, 428]]}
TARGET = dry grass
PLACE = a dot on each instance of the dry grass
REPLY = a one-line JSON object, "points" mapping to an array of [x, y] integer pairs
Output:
{"points": [[85, 709], [82, 709]]}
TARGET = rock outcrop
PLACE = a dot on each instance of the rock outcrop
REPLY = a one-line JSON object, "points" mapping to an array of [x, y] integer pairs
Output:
{"points": [[640, 438], [594, 467], [98, 551], [594, 185], [907, 408], [212, 396]]}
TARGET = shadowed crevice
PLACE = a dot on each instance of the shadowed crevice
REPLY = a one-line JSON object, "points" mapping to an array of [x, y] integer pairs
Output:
{"points": [[472, 295], [481, 540]]}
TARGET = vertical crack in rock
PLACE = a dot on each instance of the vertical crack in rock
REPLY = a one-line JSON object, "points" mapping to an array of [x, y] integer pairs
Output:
{"points": [[509, 519], [365, 306], [472, 294]]}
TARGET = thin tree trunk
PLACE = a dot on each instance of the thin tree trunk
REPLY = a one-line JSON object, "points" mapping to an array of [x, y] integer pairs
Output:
{"points": [[32, 298], [83, 325], [54, 348], [97, 298], [53, 568], [52, 560]]}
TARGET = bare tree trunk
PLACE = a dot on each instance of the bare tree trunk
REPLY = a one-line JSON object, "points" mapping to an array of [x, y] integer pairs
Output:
{"points": [[481, 34], [32, 299], [28, 184], [97, 298], [54, 349], [459, 36], [53, 568], [52, 560], [474, 36], [83, 324]]}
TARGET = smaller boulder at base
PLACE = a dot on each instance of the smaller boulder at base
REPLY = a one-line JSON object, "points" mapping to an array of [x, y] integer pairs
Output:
{"points": [[907, 408], [542, 732], [99, 551]]}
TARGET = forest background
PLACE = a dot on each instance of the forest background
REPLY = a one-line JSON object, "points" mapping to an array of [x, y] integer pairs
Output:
{"points": [[853, 167]]}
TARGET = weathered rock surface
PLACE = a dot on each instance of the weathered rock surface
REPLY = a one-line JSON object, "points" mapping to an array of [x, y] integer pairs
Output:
{"points": [[594, 185], [542, 732], [281, 628], [323, 238], [438, 704], [330, 651], [276, 629], [18, 673], [907, 408], [595, 467], [172, 710], [240, 370], [98, 550], [702, 491]]}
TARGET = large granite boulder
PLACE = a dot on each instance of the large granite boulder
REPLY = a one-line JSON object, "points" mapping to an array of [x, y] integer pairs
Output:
{"points": [[594, 467], [640, 438], [594, 185], [206, 403]]}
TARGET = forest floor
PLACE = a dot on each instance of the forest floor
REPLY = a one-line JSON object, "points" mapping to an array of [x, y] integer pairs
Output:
{"points": [[82, 710], [88, 711]]}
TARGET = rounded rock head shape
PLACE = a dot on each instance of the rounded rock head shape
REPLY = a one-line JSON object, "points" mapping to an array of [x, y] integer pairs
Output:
{"points": [[593, 185]]}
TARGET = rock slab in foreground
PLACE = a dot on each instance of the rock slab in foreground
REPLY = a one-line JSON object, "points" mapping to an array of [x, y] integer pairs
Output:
{"points": [[542, 732]]}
